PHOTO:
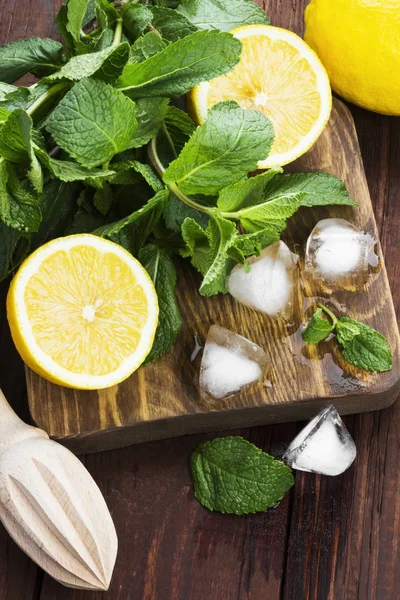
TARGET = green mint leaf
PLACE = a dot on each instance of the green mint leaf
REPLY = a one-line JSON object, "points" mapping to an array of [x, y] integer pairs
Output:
{"points": [[318, 328], [253, 243], [146, 171], [177, 127], [66, 170], [19, 209], [136, 18], [6, 88], [4, 114], [145, 47], [103, 198], [107, 65], [246, 192], [85, 222], [16, 145], [231, 475], [15, 137], [140, 223], [58, 206], [171, 24], [176, 212], [181, 65], [276, 208], [34, 55], [150, 114], [8, 241], [208, 249], [363, 346], [106, 14], [61, 22], [75, 14], [222, 151], [93, 122], [222, 14], [163, 274], [318, 189]]}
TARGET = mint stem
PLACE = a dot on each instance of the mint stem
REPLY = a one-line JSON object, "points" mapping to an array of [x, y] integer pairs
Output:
{"points": [[53, 91], [118, 33], [329, 313], [169, 138]]}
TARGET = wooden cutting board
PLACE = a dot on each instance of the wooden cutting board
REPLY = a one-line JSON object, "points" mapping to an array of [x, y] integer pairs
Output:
{"points": [[162, 400]]}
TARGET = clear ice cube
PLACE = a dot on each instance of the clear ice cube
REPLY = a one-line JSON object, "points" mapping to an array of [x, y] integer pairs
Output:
{"points": [[324, 446], [339, 254], [230, 362], [272, 283]]}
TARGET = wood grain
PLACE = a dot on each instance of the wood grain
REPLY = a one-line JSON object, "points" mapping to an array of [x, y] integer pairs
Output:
{"points": [[163, 400], [147, 486]]}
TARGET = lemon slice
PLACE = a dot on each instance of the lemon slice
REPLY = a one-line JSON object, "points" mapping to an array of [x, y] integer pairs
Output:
{"points": [[279, 75], [83, 312]]}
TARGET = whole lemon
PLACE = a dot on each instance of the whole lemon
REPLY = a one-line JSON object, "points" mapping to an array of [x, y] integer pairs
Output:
{"points": [[358, 42]]}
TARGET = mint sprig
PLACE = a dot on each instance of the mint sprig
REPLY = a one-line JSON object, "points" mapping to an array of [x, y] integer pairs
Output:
{"points": [[361, 345], [231, 475], [74, 155]]}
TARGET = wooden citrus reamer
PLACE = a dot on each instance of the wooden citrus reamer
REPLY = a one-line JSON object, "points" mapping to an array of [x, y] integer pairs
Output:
{"points": [[52, 507]]}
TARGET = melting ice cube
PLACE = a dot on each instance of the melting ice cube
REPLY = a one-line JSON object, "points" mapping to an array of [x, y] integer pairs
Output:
{"points": [[230, 362], [323, 446], [339, 253], [272, 283]]}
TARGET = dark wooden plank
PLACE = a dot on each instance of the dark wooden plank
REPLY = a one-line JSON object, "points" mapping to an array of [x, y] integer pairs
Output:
{"points": [[171, 548]]}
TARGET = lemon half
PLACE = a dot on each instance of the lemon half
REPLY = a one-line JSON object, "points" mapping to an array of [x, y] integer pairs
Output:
{"points": [[279, 75], [82, 312]]}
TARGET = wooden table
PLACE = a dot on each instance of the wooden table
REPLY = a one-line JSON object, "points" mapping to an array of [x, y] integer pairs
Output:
{"points": [[330, 539]]}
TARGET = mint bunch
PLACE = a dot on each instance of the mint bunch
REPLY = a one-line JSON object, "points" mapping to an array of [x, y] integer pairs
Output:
{"points": [[97, 146], [361, 345], [231, 475]]}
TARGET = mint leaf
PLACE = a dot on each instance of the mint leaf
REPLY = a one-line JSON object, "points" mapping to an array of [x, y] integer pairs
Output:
{"points": [[181, 65], [8, 241], [146, 171], [34, 55], [19, 209], [171, 24], [66, 170], [103, 198], [16, 145], [222, 151], [140, 223], [221, 14], [318, 328], [363, 346], [150, 114], [318, 189], [146, 46], [58, 206], [230, 475], [75, 14], [246, 192], [107, 65], [15, 137], [208, 249], [253, 243], [163, 274], [5, 89], [135, 19], [177, 127], [176, 212], [277, 208], [93, 122]]}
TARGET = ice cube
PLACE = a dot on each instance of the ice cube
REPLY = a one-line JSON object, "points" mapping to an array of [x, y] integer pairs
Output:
{"points": [[339, 254], [271, 284], [323, 446], [230, 362]]}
